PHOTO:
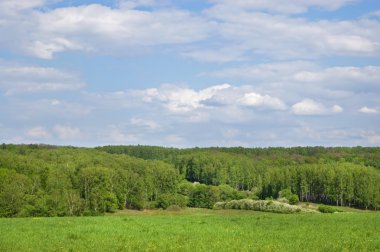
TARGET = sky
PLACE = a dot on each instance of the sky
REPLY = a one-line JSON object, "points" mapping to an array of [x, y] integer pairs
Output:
{"points": [[187, 73]]}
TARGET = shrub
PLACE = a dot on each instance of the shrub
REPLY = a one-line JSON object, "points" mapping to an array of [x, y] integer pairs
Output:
{"points": [[260, 205], [219, 205], [287, 194], [327, 209], [293, 199], [173, 208], [283, 200], [166, 200], [233, 204]]}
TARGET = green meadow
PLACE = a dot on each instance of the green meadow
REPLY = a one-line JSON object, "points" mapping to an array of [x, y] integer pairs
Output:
{"points": [[194, 230]]}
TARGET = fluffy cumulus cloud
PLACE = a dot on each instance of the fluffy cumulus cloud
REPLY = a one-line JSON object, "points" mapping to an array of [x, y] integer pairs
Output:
{"points": [[311, 107], [182, 100], [155, 113], [257, 100], [368, 110]]}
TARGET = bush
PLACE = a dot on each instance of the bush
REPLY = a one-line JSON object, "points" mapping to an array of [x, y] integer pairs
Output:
{"points": [[260, 205], [283, 200], [287, 194], [233, 204], [219, 205], [293, 199], [166, 200], [173, 208], [327, 209]]}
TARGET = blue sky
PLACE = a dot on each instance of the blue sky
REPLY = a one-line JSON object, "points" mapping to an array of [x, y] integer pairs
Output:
{"points": [[190, 73]]}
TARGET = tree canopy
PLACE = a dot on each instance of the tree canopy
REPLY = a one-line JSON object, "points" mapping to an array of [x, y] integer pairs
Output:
{"points": [[44, 180]]}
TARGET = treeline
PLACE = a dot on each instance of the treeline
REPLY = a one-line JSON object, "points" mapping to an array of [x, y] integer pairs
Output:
{"points": [[369, 156], [339, 183], [76, 181], [44, 180], [334, 175]]}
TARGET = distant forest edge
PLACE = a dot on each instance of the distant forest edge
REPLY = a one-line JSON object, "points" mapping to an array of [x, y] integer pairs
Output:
{"points": [[45, 180]]}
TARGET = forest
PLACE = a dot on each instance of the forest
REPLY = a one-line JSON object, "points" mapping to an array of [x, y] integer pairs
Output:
{"points": [[46, 180]]}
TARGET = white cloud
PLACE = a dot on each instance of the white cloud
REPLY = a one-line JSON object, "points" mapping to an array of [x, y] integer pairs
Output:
{"points": [[98, 28], [131, 4], [38, 133], [55, 102], [303, 71], [258, 100], [46, 49], [368, 110], [232, 31], [168, 104], [11, 5], [182, 99], [311, 107], [15, 78], [279, 6], [297, 79], [66, 132], [308, 107], [336, 109], [258, 34], [297, 55], [178, 99], [341, 75]]}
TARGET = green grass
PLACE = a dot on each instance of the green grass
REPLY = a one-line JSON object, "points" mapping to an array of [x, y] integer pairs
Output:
{"points": [[194, 230]]}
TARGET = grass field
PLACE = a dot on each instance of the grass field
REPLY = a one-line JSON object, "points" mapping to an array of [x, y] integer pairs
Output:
{"points": [[194, 230]]}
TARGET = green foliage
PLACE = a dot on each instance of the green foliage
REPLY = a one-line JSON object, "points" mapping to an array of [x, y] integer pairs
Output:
{"points": [[293, 199], [313, 174], [327, 209], [51, 181], [166, 200], [44, 180], [260, 205], [14, 188], [289, 196], [205, 196]]}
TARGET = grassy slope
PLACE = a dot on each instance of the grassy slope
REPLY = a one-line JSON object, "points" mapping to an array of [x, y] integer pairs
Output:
{"points": [[194, 230]]}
